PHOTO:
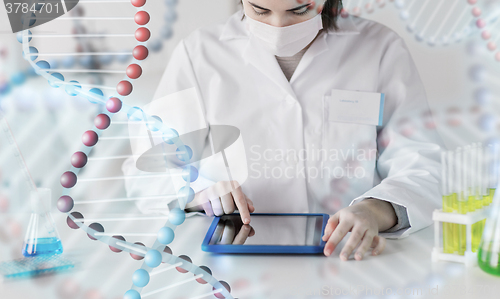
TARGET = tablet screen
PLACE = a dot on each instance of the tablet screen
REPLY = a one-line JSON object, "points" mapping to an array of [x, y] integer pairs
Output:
{"points": [[286, 230]]}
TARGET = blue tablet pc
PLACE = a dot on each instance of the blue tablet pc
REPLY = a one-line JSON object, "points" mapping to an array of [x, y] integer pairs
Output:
{"points": [[267, 233]]}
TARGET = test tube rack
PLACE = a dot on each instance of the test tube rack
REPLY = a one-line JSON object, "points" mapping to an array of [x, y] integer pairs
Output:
{"points": [[468, 185], [440, 218]]}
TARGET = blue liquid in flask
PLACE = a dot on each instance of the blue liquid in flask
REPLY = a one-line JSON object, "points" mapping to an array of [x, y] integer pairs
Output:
{"points": [[41, 236], [43, 246]]}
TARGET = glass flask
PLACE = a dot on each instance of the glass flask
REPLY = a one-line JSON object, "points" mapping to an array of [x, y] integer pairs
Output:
{"points": [[489, 249], [41, 237]]}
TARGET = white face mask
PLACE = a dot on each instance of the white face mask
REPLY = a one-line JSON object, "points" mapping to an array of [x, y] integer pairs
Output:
{"points": [[285, 41]]}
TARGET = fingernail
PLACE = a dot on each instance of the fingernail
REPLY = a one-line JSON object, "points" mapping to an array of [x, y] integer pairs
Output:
{"points": [[327, 252], [247, 221], [343, 257], [358, 256], [375, 252]]}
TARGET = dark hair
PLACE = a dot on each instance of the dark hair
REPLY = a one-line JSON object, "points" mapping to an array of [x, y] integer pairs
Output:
{"points": [[330, 13]]}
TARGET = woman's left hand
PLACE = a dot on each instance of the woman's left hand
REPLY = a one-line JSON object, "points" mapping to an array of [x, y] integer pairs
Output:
{"points": [[364, 220]]}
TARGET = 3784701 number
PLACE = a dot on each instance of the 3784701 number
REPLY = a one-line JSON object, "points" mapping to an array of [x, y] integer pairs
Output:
{"points": [[34, 8]]}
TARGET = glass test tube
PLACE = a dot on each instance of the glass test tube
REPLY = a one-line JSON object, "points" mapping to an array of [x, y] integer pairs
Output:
{"points": [[494, 169], [458, 193], [452, 203], [481, 176], [463, 200], [489, 250], [481, 190], [446, 196], [475, 198], [486, 175], [472, 173], [472, 198]]}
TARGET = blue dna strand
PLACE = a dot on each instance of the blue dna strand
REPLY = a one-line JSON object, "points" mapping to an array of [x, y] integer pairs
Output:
{"points": [[112, 101], [439, 22], [359, 7]]}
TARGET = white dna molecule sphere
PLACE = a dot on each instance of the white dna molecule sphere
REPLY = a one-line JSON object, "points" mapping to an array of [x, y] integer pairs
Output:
{"points": [[112, 99]]}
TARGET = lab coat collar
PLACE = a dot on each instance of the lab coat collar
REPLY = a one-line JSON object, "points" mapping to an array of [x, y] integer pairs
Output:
{"points": [[235, 27], [267, 63], [319, 46]]}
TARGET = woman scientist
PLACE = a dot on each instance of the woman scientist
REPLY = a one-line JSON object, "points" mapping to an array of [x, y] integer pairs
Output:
{"points": [[283, 72]]}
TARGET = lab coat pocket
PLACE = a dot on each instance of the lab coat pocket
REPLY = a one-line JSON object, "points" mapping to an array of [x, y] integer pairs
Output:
{"points": [[350, 147]]}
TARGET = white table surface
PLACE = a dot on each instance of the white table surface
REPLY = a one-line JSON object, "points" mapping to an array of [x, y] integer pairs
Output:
{"points": [[404, 266]]}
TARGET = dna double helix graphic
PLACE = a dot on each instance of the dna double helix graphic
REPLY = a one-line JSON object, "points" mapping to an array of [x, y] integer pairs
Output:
{"points": [[82, 28], [158, 256], [446, 22], [21, 101], [459, 124], [487, 15], [437, 22], [470, 118]]}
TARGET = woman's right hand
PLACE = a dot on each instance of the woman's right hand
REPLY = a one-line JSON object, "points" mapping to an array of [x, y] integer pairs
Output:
{"points": [[222, 198]]}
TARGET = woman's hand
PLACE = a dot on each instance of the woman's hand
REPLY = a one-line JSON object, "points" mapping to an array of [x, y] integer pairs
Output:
{"points": [[364, 220], [223, 198]]}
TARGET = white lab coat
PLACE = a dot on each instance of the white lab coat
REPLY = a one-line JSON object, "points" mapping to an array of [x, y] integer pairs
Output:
{"points": [[242, 85]]}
